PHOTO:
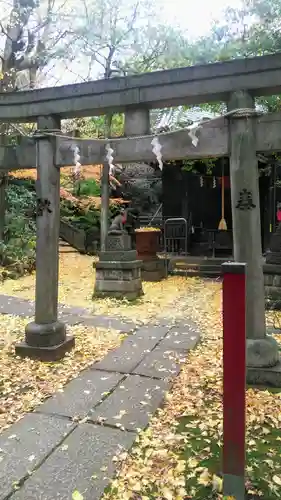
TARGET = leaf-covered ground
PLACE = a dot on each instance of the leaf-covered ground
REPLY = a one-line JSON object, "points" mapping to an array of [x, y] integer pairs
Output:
{"points": [[76, 286], [178, 456], [25, 383]]}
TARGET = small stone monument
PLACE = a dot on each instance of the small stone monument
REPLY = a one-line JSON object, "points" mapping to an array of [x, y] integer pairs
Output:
{"points": [[118, 272]]}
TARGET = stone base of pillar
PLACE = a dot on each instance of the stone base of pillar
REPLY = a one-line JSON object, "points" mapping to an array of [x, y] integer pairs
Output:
{"points": [[45, 342], [262, 353], [48, 354], [153, 270], [45, 334], [263, 362], [265, 376]]}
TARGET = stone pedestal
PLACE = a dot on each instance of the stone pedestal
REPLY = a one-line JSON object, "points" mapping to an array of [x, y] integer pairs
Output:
{"points": [[272, 271], [272, 286], [147, 245], [118, 272], [269, 376], [153, 270], [274, 254]]}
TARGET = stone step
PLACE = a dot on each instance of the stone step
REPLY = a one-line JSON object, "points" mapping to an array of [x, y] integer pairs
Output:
{"points": [[196, 272], [194, 259], [195, 267]]}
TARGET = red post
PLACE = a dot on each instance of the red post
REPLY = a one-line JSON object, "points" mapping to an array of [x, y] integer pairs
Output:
{"points": [[234, 379]]}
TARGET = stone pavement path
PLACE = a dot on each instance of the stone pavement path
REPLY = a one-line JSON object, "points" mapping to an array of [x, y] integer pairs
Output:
{"points": [[69, 315], [70, 441]]}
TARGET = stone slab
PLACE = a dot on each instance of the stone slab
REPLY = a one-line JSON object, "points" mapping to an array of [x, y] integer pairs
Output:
{"points": [[273, 331], [106, 322], [265, 376], [132, 403], [182, 337], [118, 274], [25, 445], [273, 292], [153, 270], [153, 333], [128, 265], [160, 363], [131, 296], [70, 315], [122, 286], [153, 264], [81, 394], [166, 321], [157, 275], [132, 351], [84, 463], [272, 269], [118, 255], [16, 306]]}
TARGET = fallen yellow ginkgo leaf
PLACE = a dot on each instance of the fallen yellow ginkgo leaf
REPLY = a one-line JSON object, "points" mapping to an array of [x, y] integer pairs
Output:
{"points": [[277, 480]]}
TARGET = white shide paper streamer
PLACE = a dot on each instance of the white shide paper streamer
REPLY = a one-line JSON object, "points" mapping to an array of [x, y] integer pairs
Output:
{"points": [[109, 156], [157, 151], [76, 160]]}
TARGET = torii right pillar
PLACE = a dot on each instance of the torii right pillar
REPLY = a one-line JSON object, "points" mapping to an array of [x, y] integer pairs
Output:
{"points": [[263, 363]]}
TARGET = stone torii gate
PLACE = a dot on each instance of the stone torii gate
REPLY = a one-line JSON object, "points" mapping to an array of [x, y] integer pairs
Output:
{"points": [[241, 135]]}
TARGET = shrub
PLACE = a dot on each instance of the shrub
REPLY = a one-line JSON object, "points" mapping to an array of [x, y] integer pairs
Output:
{"points": [[17, 251], [88, 187]]}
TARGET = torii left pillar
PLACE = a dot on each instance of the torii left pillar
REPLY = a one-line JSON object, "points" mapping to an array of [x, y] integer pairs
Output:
{"points": [[45, 338]]}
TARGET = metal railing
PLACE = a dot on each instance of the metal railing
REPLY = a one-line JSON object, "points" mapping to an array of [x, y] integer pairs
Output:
{"points": [[176, 236]]}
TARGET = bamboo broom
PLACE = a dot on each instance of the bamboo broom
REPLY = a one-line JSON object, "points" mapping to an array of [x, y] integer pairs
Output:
{"points": [[222, 224]]}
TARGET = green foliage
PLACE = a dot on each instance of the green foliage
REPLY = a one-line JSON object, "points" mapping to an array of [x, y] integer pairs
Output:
{"points": [[83, 218], [21, 197], [95, 126], [89, 187], [195, 166], [19, 242], [247, 31]]}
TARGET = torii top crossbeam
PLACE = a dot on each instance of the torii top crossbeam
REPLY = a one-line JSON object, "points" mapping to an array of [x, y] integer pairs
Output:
{"points": [[192, 85]]}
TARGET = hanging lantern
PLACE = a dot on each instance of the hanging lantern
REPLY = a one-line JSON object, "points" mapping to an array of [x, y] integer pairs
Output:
{"points": [[214, 183], [201, 181]]}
